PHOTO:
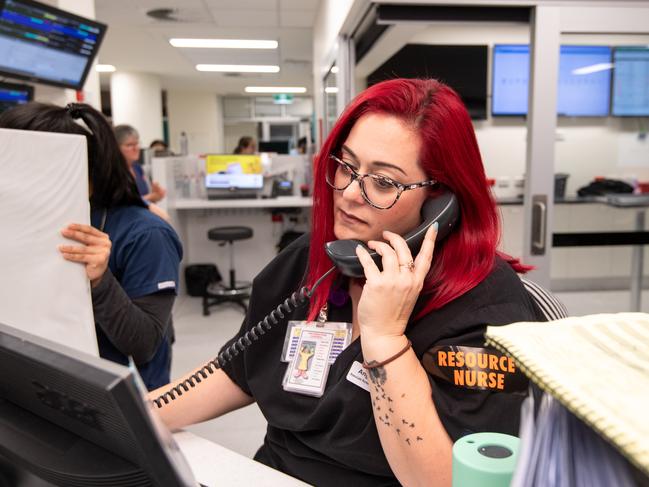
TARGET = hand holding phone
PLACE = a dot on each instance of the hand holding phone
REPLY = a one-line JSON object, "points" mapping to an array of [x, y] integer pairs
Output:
{"points": [[389, 295], [443, 209]]}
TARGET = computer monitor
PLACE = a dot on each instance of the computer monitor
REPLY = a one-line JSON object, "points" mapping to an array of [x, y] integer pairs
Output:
{"points": [[584, 80], [233, 172], [75, 419], [631, 81], [277, 146], [45, 44], [12, 94]]}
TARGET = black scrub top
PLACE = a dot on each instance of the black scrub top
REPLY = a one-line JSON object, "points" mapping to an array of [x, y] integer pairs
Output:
{"points": [[333, 440]]}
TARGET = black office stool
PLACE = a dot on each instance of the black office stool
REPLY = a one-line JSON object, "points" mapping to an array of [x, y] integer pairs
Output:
{"points": [[236, 292]]}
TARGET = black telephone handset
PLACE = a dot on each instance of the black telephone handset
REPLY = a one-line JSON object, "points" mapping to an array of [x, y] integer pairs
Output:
{"points": [[442, 209]]}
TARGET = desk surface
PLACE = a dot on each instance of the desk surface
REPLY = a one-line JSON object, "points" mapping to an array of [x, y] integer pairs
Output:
{"points": [[214, 465], [279, 202]]}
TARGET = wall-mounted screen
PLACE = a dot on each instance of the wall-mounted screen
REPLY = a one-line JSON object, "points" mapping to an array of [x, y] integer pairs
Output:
{"points": [[47, 45], [510, 69], [463, 68], [584, 80], [12, 94], [631, 81]]}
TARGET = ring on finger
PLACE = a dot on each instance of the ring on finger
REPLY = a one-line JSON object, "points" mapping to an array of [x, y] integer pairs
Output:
{"points": [[410, 266]]}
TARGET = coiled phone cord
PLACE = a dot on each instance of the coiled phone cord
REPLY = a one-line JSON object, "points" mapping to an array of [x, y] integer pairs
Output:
{"points": [[294, 301]]}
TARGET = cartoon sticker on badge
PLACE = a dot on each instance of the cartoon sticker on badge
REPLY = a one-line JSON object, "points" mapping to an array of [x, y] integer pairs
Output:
{"points": [[307, 350]]}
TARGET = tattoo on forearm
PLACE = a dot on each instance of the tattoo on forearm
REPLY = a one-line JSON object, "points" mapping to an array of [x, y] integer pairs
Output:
{"points": [[377, 374], [378, 377]]}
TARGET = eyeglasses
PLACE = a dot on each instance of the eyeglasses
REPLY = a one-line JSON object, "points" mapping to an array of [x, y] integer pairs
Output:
{"points": [[380, 192]]}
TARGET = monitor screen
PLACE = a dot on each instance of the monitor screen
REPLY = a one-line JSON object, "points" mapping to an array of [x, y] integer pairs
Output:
{"points": [[47, 45], [276, 146], [463, 68], [510, 69], [584, 80], [631, 81], [233, 171], [75, 419], [14, 94]]}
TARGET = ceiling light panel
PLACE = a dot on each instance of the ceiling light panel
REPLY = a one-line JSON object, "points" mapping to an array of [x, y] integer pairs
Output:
{"points": [[238, 68], [224, 43], [275, 89]]}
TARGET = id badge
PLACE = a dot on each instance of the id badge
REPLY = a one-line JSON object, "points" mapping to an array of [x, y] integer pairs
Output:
{"points": [[308, 370], [342, 337]]}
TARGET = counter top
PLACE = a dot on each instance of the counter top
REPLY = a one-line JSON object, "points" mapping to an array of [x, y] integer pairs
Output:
{"points": [[628, 200]]}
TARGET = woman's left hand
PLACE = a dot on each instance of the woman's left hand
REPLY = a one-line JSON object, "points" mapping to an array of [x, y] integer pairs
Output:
{"points": [[389, 296], [94, 254]]}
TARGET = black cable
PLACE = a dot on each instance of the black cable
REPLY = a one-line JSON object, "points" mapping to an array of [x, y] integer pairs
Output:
{"points": [[294, 301]]}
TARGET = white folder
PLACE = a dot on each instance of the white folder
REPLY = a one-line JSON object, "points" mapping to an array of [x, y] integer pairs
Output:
{"points": [[43, 188]]}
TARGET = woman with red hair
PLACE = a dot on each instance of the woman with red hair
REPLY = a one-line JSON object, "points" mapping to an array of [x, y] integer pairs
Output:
{"points": [[397, 145]]}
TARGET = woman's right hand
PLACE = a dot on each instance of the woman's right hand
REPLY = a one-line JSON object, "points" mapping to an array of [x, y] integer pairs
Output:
{"points": [[157, 193], [94, 253]]}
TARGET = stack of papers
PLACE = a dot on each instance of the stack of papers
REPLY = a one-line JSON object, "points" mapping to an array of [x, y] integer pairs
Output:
{"points": [[595, 371]]}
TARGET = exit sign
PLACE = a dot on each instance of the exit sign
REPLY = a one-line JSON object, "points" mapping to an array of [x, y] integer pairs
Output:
{"points": [[282, 99]]}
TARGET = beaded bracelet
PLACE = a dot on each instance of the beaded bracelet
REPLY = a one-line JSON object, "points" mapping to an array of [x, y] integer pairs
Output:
{"points": [[388, 360]]}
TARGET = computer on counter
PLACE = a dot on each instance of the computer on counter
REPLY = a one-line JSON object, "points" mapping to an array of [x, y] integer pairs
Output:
{"points": [[233, 176]]}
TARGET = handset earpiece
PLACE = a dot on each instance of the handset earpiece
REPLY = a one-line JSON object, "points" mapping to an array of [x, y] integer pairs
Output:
{"points": [[442, 209]]}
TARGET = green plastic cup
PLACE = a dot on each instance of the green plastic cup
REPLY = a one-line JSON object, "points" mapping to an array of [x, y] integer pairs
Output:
{"points": [[484, 460]]}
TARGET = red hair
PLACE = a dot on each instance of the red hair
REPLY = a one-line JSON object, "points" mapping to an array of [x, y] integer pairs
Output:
{"points": [[449, 153]]}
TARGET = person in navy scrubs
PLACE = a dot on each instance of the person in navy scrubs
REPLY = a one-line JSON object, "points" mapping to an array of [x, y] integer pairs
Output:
{"points": [[131, 256]]}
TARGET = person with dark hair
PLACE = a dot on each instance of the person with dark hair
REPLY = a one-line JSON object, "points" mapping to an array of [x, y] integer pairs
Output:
{"points": [[160, 148], [302, 145], [129, 143], [131, 256], [399, 144], [246, 145]]}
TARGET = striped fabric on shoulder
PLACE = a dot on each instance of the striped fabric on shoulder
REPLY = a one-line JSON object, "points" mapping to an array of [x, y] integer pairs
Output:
{"points": [[552, 308]]}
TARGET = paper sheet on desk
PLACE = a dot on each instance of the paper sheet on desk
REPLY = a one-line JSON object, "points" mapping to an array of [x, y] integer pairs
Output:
{"points": [[44, 187], [597, 366]]}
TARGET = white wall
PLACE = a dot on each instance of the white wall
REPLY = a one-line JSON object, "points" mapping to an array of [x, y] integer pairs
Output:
{"points": [[200, 116], [136, 99], [330, 20]]}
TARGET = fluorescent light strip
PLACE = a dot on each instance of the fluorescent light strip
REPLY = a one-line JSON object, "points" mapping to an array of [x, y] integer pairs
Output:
{"points": [[331, 89], [224, 43], [275, 89], [238, 68], [594, 68], [105, 68]]}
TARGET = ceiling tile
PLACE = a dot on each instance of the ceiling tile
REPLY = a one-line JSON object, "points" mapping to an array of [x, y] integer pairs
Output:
{"points": [[241, 4], [296, 18], [298, 4], [246, 18]]}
